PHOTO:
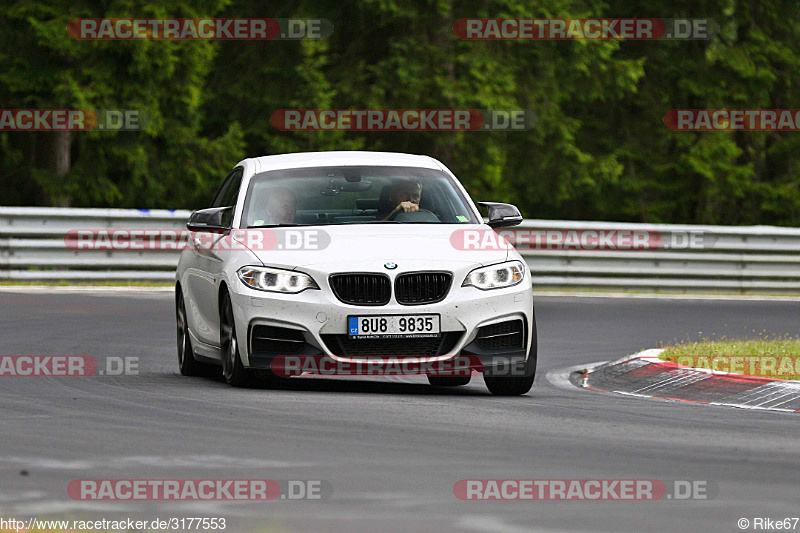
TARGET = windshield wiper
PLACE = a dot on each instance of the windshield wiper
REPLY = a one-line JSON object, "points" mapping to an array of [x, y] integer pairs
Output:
{"points": [[407, 222], [277, 226]]}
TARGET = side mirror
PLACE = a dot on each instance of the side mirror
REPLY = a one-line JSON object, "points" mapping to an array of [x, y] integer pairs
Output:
{"points": [[208, 219], [502, 215]]}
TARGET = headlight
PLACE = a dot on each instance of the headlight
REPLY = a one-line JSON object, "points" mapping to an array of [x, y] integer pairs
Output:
{"points": [[276, 280], [496, 276]]}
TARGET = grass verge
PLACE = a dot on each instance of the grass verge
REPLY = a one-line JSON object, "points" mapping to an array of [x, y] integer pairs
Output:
{"points": [[768, 357]]}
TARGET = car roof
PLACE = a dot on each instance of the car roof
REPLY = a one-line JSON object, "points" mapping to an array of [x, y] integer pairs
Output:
{"points": [[344, 158]]}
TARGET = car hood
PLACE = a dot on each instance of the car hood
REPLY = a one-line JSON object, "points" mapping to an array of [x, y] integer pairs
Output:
{"points": [[372, 246]]}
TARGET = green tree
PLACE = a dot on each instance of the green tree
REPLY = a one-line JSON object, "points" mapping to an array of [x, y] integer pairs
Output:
{"points": [[169, 162]]}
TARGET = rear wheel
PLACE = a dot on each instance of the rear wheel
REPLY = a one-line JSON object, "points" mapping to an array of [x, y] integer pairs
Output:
{"points": [[448, 381], [519, 378], [233, 370], [186, 362]]}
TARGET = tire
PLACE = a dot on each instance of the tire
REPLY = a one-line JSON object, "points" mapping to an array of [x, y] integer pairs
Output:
{"points": [[188, 365], [448, 381], [233, 370], [516, 385], [508, 385]]}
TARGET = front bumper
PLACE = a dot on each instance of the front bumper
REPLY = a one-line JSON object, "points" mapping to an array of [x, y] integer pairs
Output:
{"points": [[319, 318]]}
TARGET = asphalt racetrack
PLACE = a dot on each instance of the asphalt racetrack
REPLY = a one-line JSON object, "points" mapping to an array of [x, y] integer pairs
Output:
{"points": [[390, 448]]}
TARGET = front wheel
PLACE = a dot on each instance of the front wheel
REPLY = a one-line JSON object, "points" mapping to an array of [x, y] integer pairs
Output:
{"points": [[509, 385], [516, 385], [233, 370]]}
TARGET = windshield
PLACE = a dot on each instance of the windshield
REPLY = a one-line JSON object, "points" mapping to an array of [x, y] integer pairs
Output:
{"points": [[355, 195]]}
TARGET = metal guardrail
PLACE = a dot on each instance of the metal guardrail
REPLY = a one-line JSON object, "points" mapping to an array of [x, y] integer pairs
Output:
{"points": [[728, 259], [753, 259], [33, 247]]}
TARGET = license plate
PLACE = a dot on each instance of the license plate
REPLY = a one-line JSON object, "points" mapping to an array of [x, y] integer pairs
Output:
{"points": [[392, 326]]}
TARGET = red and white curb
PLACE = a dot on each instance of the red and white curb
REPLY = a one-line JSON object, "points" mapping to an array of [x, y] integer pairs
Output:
{"points": [[645, 375]]}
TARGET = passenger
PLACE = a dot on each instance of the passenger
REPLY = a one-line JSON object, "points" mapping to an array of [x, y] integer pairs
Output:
{"points": [[281, 206]]}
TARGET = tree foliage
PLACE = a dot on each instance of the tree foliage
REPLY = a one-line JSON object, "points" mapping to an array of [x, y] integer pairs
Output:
{"points": [[599, 148]]}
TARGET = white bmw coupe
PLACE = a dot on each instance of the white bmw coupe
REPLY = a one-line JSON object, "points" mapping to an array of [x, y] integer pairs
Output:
{"points": [[353, 256]]}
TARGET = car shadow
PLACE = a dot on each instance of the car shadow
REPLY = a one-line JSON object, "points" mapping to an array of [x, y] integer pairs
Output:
{"points": [[372, 385]]}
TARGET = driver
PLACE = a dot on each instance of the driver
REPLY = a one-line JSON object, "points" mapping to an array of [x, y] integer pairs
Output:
{"points": [[405, 196]]}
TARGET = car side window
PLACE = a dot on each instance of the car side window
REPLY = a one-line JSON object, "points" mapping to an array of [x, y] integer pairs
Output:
{"points": [[228, 193]]}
